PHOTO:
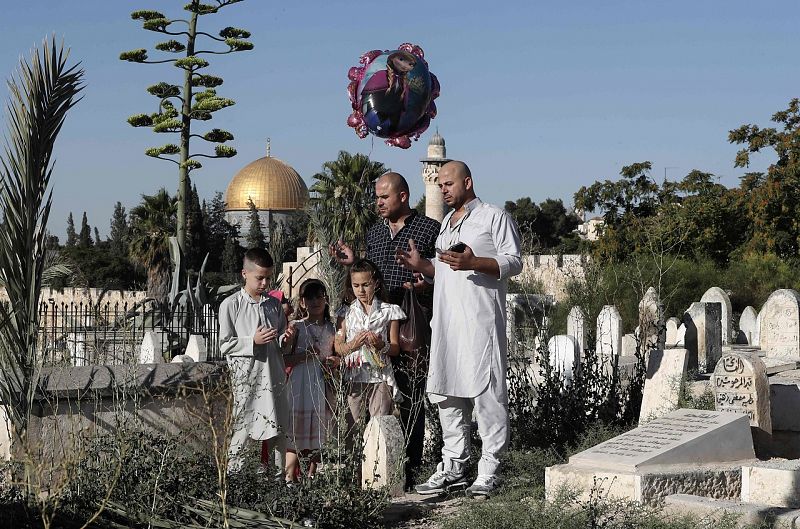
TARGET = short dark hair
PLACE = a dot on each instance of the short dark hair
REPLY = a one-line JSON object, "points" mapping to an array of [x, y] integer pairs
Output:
{"points": [[259, 257]]}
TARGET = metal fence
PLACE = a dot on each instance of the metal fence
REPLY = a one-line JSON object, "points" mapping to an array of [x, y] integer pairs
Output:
{"points": [[112, 333]]}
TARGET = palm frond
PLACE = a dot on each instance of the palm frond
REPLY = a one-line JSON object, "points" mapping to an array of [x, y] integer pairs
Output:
{"points": [[42, 92]]}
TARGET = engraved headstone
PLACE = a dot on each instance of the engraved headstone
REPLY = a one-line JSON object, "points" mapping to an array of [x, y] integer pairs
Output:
{"points": [[740, 385], [716, 294], [651, 314], [384, 455], [672, 325], [703, 338], [748, 323], [780, 324], [564, 355], [576, 327], [609, 332], [662, 387], [684, 436]]}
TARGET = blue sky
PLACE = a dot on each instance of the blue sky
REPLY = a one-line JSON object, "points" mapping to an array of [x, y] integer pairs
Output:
{"points": [[539, 98]]}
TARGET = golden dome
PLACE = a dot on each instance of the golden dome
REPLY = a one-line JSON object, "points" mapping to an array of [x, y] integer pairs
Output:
{"points": [[270, 183]]}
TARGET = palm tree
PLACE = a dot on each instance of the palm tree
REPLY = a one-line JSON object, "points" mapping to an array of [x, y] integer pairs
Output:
{"points": [[152, 224], [42, 92], [344, 196]]}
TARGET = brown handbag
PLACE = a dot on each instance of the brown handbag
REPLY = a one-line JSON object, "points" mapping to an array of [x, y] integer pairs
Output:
{"points": [[415, 330]]}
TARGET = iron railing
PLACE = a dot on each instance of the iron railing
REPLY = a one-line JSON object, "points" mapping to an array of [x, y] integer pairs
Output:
{"points": [[112, 333]]}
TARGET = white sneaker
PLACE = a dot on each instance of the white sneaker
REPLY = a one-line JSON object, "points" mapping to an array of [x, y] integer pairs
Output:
{"points": [[441, 481], [484, 485]]}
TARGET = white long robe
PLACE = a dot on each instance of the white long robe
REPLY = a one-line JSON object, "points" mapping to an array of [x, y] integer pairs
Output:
{"points": [[260, 390], [468, 341]]}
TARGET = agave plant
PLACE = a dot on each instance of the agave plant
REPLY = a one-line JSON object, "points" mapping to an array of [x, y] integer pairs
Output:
{"points": [[41, 93]]}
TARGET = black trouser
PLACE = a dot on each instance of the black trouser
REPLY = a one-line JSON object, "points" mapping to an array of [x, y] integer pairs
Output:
{"points": [[411, 377]]}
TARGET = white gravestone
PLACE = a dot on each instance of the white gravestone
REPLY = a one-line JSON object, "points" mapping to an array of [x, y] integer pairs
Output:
{"points": [[748, 325], [609, 332], [576, 327], [628, 345], [564, 355], [150, 351], [196, 348], [703, 338], [672, 325], [740, 385], [716, 294], [651, 314], [684, 436], [662, 387], [680, 337], [384, 455], [780, 324]]}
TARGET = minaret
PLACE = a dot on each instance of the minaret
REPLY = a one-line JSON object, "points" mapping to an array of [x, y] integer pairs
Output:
{"points": [[435, 207]]}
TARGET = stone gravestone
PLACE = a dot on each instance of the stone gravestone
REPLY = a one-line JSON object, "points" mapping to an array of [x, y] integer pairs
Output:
{"points": [[740, 385], [680, 336], [687, 451], [384, 455], [575, 327], [703, 338], [716, 294], [150, 351], [628, 345], [609, 332], [565, 356], [672, 325], [662, 387], [651, 314], [196, 348], [780, 324], [748, 323]]}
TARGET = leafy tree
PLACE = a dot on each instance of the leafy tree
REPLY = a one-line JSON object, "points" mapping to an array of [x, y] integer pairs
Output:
{"points": [[420, 206], [97, 240], [72, 235], [119, 233], [152, 224], [549, 224], [232, 256], [196, 247], [255, 233], [774, 202], [344, 195], [85, 235], [179, 106], [218, 231]]}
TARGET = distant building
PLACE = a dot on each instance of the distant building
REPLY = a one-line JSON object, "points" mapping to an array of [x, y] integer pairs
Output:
{"points": [[591, 229], [435, 207], [274, 187]]}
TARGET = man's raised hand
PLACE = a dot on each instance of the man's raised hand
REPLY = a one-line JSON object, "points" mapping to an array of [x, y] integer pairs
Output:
{"points": [[341, 252]]}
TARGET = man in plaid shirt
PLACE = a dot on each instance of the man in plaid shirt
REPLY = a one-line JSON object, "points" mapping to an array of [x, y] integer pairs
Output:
{"points": [[400, 223]]}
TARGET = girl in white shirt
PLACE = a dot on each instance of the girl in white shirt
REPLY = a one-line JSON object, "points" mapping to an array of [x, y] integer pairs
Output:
{"points": [[367, 335]]}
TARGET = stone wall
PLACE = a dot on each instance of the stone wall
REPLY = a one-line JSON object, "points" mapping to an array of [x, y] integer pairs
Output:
{"points": [[85, 295], [553, 272]]}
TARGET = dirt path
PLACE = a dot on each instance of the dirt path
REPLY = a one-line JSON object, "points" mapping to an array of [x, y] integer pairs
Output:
{"points": [[414, 511]]}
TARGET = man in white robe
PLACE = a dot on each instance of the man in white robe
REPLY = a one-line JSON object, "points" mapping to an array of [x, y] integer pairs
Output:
{"points": [[251, 325], [468, 345]]}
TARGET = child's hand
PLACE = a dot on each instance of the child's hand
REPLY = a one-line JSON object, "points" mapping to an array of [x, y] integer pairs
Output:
{"points": [[359, 340], [374, 340], [291, 332], [265, 334]]}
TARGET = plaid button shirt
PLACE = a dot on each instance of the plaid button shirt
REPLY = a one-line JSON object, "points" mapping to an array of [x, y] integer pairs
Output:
{"points": [[381, 249]]}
